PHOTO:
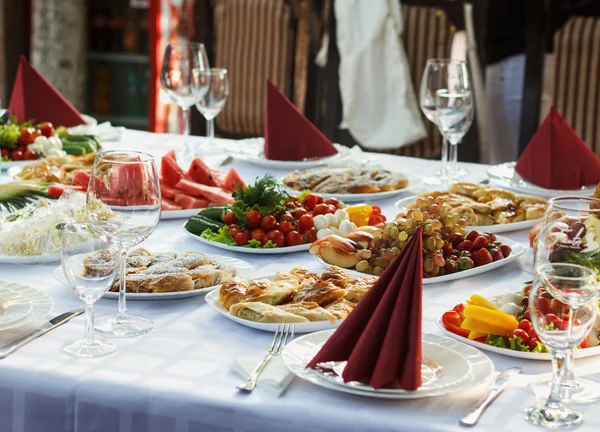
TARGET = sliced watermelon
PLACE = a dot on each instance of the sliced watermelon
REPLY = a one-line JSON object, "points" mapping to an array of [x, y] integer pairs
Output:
{"points": [[82, 179], [169, 205], [171, 154], [130, 182], [188, 202], [171, 172], [168, 191], [219, 178], [201, 173], [231, 181], [56, 190], [209, 193]]}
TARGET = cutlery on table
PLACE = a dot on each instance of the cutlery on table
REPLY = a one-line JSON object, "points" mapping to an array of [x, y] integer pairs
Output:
{"points": [[45, 328], [498, 387], [283, 335]]}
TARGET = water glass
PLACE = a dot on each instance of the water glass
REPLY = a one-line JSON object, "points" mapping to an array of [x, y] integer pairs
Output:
{"points": [[211, 102]]}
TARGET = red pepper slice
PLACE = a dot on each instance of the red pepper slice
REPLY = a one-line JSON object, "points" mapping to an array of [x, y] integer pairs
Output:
{"points": [[460, 309], [452, 322]]}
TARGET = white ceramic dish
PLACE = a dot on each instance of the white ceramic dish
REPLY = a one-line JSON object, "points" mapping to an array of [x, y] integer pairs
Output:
{"points": [[41, 303], [414, 182], [506, 176], [37, 259], [298, 353], [248, 250], [252, 150], [178, 214], [517, 251], [242, 268], [517, 226], [14, 307], [14, 164]]}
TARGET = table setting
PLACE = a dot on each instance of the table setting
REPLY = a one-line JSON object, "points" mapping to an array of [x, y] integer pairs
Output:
{"points": [[289, 283]]}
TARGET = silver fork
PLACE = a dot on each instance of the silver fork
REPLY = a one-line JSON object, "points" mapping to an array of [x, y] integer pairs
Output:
{"points": [[283, 335]]}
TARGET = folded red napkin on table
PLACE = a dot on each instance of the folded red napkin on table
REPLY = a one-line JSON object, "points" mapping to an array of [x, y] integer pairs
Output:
{"points": [[288, 134], [381, 338], [556, 158], [34, 98]]}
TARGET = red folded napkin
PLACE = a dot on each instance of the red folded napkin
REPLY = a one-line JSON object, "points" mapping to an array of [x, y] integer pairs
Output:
{"points": [[381, 338], [288, 134], [34, 98], [556, 158]]}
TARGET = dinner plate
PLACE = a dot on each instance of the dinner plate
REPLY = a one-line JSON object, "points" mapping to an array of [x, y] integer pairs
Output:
{"points": [[517, 250], [414, 182], [179, 214], [505, 175], [35, 259], [41, 303], [249, 250], [13, 307], [300, 351], [18, 165], [252, 150], [243, 269], [515, 226]]}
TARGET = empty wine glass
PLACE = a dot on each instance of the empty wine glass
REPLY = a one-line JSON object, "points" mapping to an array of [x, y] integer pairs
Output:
{"points": [[574, 290], [444, 83], [176, 78], [90, 265], [455, 135], [123, 200], [211, 102]]}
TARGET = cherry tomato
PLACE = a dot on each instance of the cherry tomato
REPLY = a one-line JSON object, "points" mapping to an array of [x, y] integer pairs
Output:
{"points": [[310, 234], [525, 324], [259, 235], [276, 237], [16, 155], [376, 209], [562, 324], [241, 238], [558, 307], [334, 202], [29, 155], [268, 223], [585, 342], [543, 305], [305, 222], [532, 334], [4, 152], [290, 202], [28, 135], [376, 219], [285, 227], [229, 218], [232, 227], [521, 334], [532, 344], [286, 217], [254, 218], [526, 291], [321, 209], [311, 200], [551, 319], [294, 238], [298, 213], [46, 129], [527, 315]]}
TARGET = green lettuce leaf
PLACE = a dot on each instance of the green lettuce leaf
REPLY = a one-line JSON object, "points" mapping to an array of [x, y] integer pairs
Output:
{"points": [[516, 344], [497, 341]]}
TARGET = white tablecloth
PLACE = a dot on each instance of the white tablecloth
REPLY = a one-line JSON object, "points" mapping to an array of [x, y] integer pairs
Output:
{"points": [[177, 378]]}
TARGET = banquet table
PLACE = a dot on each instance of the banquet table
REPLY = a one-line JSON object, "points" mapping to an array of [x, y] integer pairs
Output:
{"points": [[177, 378]]}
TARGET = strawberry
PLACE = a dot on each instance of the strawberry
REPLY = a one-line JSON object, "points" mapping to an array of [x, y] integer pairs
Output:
{"points": [[506, 250], [450, 267], [472, 235], [496, 254], [455, 239], [491, 236], [480, 242], [482, 257], [447, 248], [465, 245]]}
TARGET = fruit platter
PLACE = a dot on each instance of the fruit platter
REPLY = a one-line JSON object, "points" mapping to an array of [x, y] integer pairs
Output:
{"points": [[450, 252], [502, 325], [264, 218]]}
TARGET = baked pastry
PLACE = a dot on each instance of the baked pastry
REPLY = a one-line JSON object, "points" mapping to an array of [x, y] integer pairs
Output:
{"points": [[304, 276], [263, 312], [238, 289], [357, 288], [322, 292], [341, 308], [309, 310], [278, 292], [170, 282], [336, 276]]}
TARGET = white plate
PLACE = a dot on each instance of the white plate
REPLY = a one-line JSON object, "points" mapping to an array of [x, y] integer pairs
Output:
{"points": [[506, 176], [243, 269], [252, 150], [41, 302], [14, 307], [179, 214], [15, 164], [516, 226], [249, 250], [298, 353], [517, 250], [37, 259], [414, 182]]}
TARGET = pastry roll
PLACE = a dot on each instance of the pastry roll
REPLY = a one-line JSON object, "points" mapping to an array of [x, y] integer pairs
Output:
{"points": [[147, 283], [357, 288], [322, 292], [278, 292], [336, 276], [263, 312], [232, 291], [310, 311], [340, 308]]}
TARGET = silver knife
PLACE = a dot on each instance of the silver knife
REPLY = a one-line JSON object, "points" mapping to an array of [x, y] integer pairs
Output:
{"points": [[45, 328], [498, 387]]}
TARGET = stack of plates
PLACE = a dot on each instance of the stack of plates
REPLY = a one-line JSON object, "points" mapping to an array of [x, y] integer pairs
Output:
{"points": [[21, 305], [448, 367]]}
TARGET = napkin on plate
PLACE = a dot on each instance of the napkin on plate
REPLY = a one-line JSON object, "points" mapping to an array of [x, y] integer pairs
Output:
{"points": [[34, 98], [274, 378], [381, 338], [288, 134], [557, 158]]}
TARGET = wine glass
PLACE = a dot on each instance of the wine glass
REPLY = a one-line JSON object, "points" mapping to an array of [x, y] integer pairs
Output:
{"points": [[574, 290], [90, 265], [444, 82], [568, 234], [211, 102], [455, 135], [123, 202], [176, 78]]}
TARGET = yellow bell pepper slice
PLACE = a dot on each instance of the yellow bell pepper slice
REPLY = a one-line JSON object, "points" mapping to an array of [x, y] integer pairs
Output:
{"points": [[475, 335], [477, 300], [483, 320], [359, 208]]}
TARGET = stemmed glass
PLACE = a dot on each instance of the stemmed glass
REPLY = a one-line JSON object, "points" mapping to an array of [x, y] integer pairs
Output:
{"points": [[574, 289], [90, 265], [123, 203], [211, 102], [570, 233], [455, 135], [176, 78], [444, 98]]}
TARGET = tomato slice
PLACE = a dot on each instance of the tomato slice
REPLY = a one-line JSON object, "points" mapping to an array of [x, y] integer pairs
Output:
{"points": [[452, 322]]}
